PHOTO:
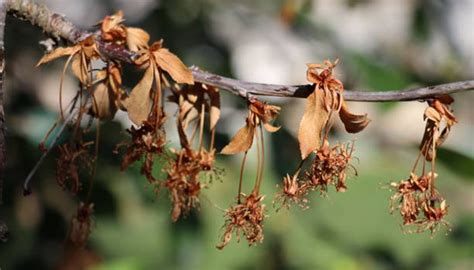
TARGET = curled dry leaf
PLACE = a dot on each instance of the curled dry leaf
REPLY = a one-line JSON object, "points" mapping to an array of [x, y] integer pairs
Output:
{"points": [[103, 106], [352, 122], [56, 53], [259, 113], [314, 120], [137, 39], [138, 104], [173, 65], [241, 142], [215, 103]]}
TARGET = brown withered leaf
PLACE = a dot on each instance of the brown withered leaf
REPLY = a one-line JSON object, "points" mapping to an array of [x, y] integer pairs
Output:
{"points": [[241, 142], [352, 122], [173, 65], [58, 52], [137, 39], [79, 68], [110, 22], [103, 106], [215, 102], [138, 104], [314, 119]]}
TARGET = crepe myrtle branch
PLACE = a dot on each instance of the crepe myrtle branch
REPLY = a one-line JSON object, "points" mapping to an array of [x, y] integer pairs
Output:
{"points": [[58, 26]]}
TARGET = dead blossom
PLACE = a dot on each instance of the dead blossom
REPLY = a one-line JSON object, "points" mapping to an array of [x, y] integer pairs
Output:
{"points": [[330, 163], [329, 167], [420, 204], [245, 218], [294, 192], [72, 158]]}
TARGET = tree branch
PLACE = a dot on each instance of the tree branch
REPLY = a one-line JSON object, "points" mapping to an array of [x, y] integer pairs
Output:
{"points": [[58, 26], [3, 13]]}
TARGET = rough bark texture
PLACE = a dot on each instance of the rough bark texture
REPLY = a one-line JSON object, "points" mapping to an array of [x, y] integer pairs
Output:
{"points": [[3, 226]]}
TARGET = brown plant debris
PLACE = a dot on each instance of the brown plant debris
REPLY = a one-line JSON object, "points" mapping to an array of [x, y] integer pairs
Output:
{"points": [[245, 218]]}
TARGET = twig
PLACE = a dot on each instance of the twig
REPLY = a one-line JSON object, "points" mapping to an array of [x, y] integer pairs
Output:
{"points": [[26, 188], [58, 26]]}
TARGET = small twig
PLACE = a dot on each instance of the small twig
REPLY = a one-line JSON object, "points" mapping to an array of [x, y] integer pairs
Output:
{"points": [[26, 189]]}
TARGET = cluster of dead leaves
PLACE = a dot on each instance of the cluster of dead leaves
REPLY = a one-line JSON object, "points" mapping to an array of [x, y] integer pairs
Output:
{"points": [[247, 216], [329, 164], [420, 204]]}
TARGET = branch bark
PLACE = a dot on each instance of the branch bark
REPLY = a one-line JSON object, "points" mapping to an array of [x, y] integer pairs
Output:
{"points": [[58, 26], [3, 13]]}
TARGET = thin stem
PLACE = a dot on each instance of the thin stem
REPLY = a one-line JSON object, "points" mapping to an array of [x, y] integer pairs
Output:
{"points": [[96, 159], [241, 177], [262, 164], [259, 165], [26, 184], [201, 126]]}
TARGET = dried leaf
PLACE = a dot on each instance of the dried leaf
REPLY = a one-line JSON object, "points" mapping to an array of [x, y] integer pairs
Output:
{"points": [[138, 103], [270, 128], [314, 119], [432, 114], [241, 142], [59, 52], [110, 22], [173, 65], [103, 106], [352, 122], [79, 68], [215, 110], [137, 39]]}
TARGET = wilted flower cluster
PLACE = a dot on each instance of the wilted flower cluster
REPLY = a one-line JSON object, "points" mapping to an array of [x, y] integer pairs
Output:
{"points": [[245, 217], [147, 143], [183, 180], [420, 204], [72, 158], [330, 163]]}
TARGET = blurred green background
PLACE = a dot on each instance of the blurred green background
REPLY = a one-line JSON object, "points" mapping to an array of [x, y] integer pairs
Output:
{"points": [[382, 45]]}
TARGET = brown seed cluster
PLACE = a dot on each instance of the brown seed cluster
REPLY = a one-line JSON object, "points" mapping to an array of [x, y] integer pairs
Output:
{"points": [[183, 180], [147, 143], [419, 202], [330, 167], [245, 218]]}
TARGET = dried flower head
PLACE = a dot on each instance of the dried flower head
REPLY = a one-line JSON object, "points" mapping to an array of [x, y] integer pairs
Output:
{"points": [[246, 218], [147, 141], [294, 192], [72, 157], [330, 167]]}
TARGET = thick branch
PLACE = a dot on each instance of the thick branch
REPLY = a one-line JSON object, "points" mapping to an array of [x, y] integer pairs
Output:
{"points": [[58, 26], [3, 13]]}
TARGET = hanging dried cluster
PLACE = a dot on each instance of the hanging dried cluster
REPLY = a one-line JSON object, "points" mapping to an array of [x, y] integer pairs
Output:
{"points": [[330, 163], [248, 214], [420, 203], [191, 167]]}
